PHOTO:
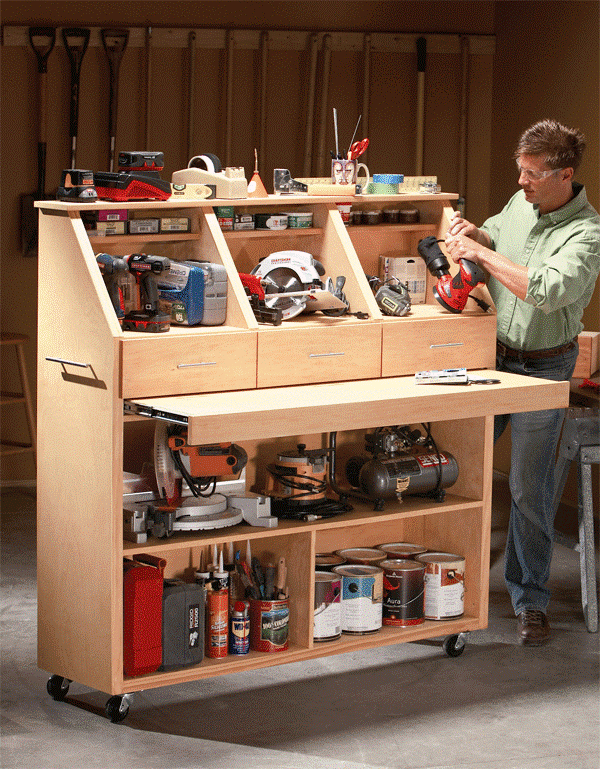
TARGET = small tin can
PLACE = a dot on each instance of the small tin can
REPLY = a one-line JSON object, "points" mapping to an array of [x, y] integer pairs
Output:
{"points": [[403, 589], [362, 594], [328, 606], [269, 625], [326, 561], [444, 585], [402, 549], [300, 219], [271, 221], [368, 556]]}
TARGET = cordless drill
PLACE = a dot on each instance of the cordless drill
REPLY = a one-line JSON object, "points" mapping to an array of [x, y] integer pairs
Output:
{"points": [[110, 267], [451, 292], [147, 269]]}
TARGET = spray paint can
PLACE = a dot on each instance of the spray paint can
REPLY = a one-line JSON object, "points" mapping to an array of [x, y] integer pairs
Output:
{"points": [[239, 629]]}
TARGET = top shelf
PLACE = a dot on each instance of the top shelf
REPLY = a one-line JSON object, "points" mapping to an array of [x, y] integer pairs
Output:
{"points": [[280, 200]]}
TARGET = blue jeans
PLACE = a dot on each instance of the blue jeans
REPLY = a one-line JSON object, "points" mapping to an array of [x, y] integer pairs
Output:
{"points": [[534, 436]]}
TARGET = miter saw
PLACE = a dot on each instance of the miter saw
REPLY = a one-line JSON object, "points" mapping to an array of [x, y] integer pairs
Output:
{"points": [[193, 493], [292, 283]]}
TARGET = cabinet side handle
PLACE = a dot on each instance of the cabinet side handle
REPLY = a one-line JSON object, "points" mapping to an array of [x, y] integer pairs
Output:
{"points": [[193, 365], [325, 354], [448, 344], [69, 362]]}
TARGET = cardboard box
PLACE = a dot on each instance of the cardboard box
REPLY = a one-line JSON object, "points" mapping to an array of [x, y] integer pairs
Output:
{"points": [[588, 360]]}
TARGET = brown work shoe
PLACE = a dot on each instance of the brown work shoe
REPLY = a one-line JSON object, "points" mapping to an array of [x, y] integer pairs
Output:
{"points": [[533, 628]]}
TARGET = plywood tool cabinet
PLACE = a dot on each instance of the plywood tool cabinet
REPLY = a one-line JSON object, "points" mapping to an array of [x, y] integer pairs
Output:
{"points": [[246, 382]]}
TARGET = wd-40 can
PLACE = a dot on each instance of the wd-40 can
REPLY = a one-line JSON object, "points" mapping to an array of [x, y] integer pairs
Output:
{"points": [[239, 629]]}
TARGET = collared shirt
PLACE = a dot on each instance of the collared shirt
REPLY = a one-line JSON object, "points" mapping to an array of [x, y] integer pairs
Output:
{"points": [[561, 250]]}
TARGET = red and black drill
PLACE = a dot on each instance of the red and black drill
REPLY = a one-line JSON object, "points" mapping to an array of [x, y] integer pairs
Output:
{"points": [[451, 292], [147, 269]]}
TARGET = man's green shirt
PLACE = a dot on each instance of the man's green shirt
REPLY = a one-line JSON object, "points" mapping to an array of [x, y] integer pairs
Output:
{"points": [[561, 251]]}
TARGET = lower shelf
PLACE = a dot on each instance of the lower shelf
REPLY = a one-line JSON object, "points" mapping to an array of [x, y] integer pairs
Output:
{"points": [[387, 636]]}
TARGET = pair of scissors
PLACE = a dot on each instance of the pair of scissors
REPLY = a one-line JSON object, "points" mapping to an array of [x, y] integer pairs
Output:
{"points": [[357, 149]]}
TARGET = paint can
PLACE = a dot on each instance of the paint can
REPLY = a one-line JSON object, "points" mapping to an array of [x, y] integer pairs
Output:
{"points": [[403, 590], [367, 556], [444, 585], [326, 561], [362, 593], [269, 625], [402, 549], [328, 606]]}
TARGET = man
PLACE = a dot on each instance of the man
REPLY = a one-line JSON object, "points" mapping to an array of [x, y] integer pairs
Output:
{"points": [[542, 253]]}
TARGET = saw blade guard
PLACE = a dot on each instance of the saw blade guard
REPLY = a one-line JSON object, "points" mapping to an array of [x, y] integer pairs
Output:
{"points": [[284, 272]]}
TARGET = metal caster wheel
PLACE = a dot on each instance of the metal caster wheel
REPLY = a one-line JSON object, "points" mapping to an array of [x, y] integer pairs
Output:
{"points": [[57, 687], [117, 708], [454, 645]]}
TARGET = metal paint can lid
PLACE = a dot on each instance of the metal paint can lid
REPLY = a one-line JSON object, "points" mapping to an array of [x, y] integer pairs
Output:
{"points": [[357, 570], [328, 560], [402, 549], [362, 555], [440, 558], [394, 565]]}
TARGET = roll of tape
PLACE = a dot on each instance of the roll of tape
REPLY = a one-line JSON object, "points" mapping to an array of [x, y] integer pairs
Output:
{"points": [[388, 178], [207, 162], [379, 188]]}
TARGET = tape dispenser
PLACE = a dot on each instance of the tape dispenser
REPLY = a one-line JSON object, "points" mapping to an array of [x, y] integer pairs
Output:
{"points": [[229, 184]]}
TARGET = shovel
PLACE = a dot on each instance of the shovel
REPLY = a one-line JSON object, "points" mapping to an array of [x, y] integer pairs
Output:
{"points": [[76, 42], [115, 43], [42, 41]]}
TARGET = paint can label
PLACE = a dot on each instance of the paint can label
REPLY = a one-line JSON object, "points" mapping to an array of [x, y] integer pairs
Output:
{"points": [[362, 593], [328, 607], [445, 589], [403, 593], [269, 625]]}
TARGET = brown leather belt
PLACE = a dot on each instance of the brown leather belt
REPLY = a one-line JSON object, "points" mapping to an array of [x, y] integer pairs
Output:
{"points": [[508, 352]]}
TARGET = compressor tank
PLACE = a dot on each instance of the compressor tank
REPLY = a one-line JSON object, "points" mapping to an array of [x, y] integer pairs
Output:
{"points": [[389, 477]]}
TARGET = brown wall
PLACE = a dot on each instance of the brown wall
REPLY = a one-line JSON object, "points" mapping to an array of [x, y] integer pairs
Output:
{"points": [[536, 71]]}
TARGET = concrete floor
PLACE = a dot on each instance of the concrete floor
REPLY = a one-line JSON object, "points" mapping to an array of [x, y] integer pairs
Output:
{"points": [[498, 706]]}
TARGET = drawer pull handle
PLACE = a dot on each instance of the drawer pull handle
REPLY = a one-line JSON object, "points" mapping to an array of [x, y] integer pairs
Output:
{"points": [[449, 344], [325, 354], [69, 362], [193, 365]]}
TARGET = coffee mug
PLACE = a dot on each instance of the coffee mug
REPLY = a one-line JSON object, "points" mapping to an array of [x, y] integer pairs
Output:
{"points": [[346, 172]]}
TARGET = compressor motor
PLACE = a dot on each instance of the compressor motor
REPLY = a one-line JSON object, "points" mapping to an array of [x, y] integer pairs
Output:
{"points": [[404, 462]]}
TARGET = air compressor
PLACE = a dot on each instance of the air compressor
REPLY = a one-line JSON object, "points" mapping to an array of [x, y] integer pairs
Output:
{"points": [[404, 462]]}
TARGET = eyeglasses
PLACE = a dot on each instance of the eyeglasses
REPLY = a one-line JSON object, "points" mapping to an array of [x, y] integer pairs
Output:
{"points": [[536, 176]]}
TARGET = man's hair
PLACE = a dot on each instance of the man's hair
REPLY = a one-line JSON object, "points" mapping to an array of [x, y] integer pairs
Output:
{"points": [[562, 146]]}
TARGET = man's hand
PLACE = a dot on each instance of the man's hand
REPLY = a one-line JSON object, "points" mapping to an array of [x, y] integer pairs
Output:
{"points": [[460, 226]]}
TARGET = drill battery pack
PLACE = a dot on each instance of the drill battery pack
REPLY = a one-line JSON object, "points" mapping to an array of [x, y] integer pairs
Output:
{"points": [[142, 614], [182, 624], [194, 293]]}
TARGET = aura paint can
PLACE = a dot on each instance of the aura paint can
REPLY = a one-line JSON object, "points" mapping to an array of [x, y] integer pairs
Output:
{"points": [[269, 625], [362, 594], [328, 606], [367, 556], [402, 549], [403, 592], [327, 561], [444, 585]]}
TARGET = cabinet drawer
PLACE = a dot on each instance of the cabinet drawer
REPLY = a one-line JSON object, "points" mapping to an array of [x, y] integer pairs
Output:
{"points": [[174, 365], [313, 354], [411, 345]]}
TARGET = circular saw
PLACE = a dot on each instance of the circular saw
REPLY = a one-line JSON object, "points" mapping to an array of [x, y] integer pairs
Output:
{"points": [[287, 278]]}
